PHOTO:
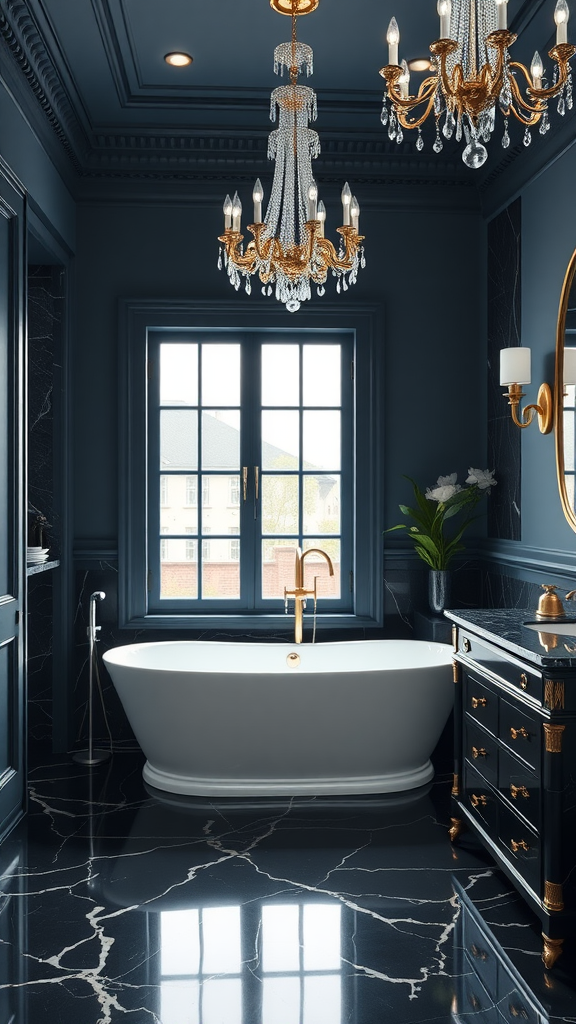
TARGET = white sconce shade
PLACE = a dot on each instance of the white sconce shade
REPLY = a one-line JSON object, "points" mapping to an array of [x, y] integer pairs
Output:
{"points": [[515, 366], [570, 366]]}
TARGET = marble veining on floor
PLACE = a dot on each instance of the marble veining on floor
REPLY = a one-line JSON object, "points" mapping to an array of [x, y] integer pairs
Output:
{"points": [[118, 903]]}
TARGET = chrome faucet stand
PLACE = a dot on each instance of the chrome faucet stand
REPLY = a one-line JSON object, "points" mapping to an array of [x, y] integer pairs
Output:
{"points": [[92, 755]]}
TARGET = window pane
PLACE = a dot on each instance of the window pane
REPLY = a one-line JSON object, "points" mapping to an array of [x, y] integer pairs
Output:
{"points": [[322, 1000], [281, 1001], [179, 942], [278, 559], [321, 934], [218, 514], [222, 1001], [321, 504], [221, 935], [179, 374], [220, 374], [321, 442], [280, 940], [221, 439], [179, 1002], [177, 515], [280, 440], [178, 568], [280, 375], [220, 572], [178, 439], [315, 565], [280, 503], [321, 375], [569, 420]]}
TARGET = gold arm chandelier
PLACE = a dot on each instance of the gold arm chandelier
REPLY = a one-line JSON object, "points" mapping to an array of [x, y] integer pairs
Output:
{"points": [[473, 76], [288, 250]]}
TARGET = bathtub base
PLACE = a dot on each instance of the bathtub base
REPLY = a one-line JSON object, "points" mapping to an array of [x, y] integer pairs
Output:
{"points": [[394, 782]]}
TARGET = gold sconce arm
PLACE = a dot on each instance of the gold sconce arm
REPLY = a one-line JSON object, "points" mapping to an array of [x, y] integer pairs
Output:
{"points": [[543, 408]]}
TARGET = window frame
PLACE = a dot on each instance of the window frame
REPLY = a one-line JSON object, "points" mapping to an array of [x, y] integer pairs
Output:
{"points": [[363, 323]]}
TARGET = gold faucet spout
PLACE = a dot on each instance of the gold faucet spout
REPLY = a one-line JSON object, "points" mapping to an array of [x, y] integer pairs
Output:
{"points": [[299, 593]]}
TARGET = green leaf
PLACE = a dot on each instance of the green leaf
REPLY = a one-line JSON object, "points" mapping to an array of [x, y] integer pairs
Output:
{"points": [[401, 526]]}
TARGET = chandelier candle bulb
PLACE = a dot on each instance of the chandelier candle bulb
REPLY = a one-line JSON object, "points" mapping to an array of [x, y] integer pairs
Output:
{"points": [[515, 366], [258, 196], [321, 215], [404, 80], [227, 208], [354, 212], [444, 8], [346, 197], [569, 366], [236, 212], [537, 70], [502, 8], [561, 15], [393, 38], [312, 199]]}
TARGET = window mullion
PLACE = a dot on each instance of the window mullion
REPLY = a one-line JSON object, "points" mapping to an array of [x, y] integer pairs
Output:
{"points": [[250, 457], [154, 566]]}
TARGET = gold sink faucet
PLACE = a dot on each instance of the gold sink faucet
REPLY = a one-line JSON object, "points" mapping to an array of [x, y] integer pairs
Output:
{"points": [[300, 593]]}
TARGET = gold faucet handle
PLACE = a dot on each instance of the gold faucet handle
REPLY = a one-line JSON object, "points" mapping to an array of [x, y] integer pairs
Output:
{"points": [[570, 595]]}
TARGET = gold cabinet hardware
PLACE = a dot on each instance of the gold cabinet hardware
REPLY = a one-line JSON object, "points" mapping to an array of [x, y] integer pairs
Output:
{"points": [[474, 1002], [515, 733], [466, 645], [553, 737], [521, 845], [479, 702], [244, 482], [517, 1011], [478, 801], [455, 785], [553, 896], [455, 637], [523, 680], [479, 752], [478, 954], [516, 791]]}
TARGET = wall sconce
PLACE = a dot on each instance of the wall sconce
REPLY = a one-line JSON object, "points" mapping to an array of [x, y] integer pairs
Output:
{"points": [[514, 371]]}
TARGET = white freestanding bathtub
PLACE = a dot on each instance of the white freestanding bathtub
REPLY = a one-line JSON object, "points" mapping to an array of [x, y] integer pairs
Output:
{"points": [[280, 719]]}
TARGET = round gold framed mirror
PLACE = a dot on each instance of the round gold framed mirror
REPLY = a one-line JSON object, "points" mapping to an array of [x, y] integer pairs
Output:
{"points": [[565, 394]]}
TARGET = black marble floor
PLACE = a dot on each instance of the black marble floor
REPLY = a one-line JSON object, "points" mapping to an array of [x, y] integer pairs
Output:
{"points": [[119, 904]]}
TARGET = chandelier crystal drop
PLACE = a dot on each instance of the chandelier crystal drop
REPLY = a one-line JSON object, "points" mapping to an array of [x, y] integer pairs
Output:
{"points": [[473, 79], [288, 251]]}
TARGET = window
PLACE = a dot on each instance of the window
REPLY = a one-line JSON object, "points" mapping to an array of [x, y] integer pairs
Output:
{"points": [[241, 445]]}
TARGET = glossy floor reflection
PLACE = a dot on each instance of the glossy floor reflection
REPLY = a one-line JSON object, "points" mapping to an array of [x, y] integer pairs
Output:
{"points": [[123, 904]]}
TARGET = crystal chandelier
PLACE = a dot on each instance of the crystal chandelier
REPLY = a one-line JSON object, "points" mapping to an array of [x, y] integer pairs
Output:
{"points": [[472, 76], [289, 250]]}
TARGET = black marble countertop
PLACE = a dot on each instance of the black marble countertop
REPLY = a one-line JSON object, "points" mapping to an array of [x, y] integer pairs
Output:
{"points": [[506, 627]]}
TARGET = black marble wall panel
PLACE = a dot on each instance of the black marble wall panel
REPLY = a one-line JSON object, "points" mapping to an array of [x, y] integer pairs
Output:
{"points": [[504, 330], [39, 664]]}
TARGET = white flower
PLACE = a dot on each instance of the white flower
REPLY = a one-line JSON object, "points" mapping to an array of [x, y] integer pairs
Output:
{"points": [[483, 478], [445, 488]]}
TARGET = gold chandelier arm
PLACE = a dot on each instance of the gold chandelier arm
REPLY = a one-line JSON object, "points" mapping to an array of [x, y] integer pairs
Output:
{"points": [[232, 240], [330, 256]]}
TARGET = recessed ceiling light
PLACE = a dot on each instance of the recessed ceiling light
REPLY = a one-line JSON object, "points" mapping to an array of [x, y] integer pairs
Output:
{"points": [[178, 60], [420, 64]]}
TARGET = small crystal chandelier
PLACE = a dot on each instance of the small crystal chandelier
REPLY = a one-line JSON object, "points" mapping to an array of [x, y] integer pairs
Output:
{"points": [[472, 76], [289, 249]]}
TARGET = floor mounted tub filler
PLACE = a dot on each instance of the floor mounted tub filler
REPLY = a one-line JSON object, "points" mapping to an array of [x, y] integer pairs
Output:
{"points": [[275, 719]]}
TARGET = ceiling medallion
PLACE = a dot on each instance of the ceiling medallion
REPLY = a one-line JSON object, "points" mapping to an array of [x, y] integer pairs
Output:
{"points": [[289, 250], [472, 76]]}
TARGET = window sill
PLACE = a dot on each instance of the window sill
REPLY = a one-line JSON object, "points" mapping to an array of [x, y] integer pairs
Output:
{"points": [[240, 624]]}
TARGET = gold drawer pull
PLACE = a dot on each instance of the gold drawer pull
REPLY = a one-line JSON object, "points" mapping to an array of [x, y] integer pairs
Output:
{"points": [[479, 954], [466, 645], [515, 733], [518, 791], [476, 800], [479, 702], [522, 845], [523, 680], [479, 752], [517, 1011]]}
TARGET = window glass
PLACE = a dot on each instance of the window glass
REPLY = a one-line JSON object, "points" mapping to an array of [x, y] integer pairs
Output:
{"points": [[179, 374], [321, 375]]}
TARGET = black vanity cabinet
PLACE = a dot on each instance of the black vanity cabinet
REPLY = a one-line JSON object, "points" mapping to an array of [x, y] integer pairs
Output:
{"points": [[515, 762]]}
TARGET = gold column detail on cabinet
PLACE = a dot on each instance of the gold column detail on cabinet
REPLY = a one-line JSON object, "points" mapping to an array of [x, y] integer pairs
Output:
{"points": [[554, 694], [553, 736], [455, 671], [454, 636], [551, 951], [553, 896], [455, 785]]}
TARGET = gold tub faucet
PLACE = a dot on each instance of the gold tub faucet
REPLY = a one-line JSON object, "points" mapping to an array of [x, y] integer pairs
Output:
{"points": [[300, 593]]}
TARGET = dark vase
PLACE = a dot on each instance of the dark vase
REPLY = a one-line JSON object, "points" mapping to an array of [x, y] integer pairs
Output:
{"points": [[439, 590]]}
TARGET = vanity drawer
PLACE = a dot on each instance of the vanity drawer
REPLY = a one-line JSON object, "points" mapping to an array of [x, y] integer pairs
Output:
{"points": [[480, 702], [520, 732], [515, 1008], [482, 957], [480, 799], [520, 786], [527, 679], [474, 1004], [481, 750], [521, 846]]}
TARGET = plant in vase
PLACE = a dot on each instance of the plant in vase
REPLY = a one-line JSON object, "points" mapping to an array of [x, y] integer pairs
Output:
{"points": [[433, 508]]}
